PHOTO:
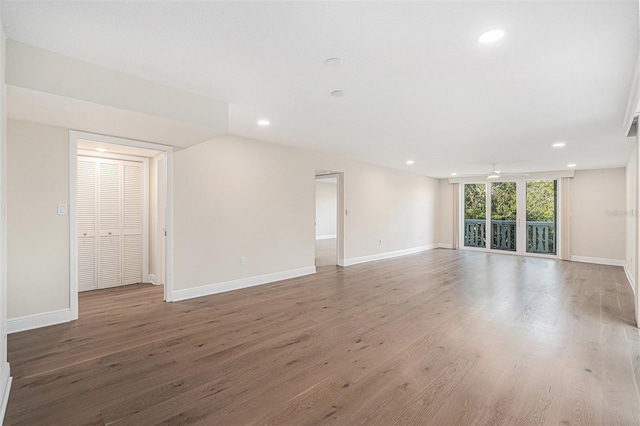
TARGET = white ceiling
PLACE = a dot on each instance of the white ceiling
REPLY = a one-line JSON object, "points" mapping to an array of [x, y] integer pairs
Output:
{"points": [[417, 85]]}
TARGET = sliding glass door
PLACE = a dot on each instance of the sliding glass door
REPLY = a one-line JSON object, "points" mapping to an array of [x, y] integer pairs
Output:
{"points": [[514, 216], [475, 215], [542, 210], [504, 213]]}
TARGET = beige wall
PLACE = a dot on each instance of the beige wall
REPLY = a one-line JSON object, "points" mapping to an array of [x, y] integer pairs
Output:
{"points": [[395, 207], [445, 213], [631, 189], [236, 197], [38, 238], [326, 208], [4, 366], [632, 225], [598, 214]]}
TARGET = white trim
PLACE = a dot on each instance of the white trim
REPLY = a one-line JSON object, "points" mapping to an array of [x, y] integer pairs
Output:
{"points": [[5, 388], [168, 219], [445, 245], [632, 282], [206, 290], [326, 237], [73, 225], [152, 279], [111, 156], [597, 260], [386, 255], [515, 177], [73, 232], [29, 322], [634, 96]]}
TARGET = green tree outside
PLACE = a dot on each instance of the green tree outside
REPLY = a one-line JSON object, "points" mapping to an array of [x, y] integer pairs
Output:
{"points": [[541, 201], [503, 201], [475, 201]]}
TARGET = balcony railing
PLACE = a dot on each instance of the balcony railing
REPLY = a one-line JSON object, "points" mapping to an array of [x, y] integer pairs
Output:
{"points": [[541, 236], [503, 235]]}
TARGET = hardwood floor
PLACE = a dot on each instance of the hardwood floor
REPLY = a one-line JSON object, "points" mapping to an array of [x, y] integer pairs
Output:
{"points": [[326, 252], [439, 338]]}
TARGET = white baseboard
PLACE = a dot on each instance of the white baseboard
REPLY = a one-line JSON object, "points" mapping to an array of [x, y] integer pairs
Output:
{"points": [[29, 322], [598, 260], [5, 388], [206, 290], [325, 237], [152, 279], [445, 245], [632, 282], [386, 255]]}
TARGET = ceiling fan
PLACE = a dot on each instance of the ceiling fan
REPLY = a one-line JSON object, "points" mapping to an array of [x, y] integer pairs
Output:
{"points": [[494, 174], [497, 174]]}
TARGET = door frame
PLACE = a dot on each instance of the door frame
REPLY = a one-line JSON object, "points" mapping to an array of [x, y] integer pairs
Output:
{"points": [[73, 220], [521, 233]]}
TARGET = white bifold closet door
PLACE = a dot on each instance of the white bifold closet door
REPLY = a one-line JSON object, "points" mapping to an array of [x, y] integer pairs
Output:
{"points": [[110, 205], [86, 211], [132, 223]]}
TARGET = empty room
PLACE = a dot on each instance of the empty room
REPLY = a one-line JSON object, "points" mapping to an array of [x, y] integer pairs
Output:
{"points": [[288, 213]]}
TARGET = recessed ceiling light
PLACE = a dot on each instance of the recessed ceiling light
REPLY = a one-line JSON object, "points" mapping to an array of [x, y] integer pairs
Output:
{"points": [[571, 165], [102, 149], [454, 174], [263, 122], [337, 93], [490, 36], [334, 62], [409, 162], [558, 144]]}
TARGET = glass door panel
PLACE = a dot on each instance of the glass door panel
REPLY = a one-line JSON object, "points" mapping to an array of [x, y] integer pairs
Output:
{"points": [[475, 215], [541, 216], [504, 214]]}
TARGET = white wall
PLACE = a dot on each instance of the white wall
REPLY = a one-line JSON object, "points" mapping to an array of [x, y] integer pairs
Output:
{"points": [[237, 197], [598, 219], [38, 238], [326, 208]]}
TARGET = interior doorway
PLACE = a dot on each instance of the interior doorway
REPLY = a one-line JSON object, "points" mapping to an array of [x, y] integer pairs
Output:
{"points": [[120, 206], [327, 218]]}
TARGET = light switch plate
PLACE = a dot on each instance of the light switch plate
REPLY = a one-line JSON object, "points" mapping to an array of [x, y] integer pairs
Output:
{"points": [[62, 209]]}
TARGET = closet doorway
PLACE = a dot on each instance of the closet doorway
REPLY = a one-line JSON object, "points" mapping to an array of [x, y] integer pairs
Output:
{"points": [[120, 206]]}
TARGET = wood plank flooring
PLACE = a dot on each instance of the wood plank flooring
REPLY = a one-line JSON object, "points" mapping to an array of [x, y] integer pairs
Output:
{"points": [[438, 338], [326, 252]]}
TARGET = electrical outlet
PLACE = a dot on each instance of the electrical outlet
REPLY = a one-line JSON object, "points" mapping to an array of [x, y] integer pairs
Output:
{"points": [[243, 261], [62, 209]]}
